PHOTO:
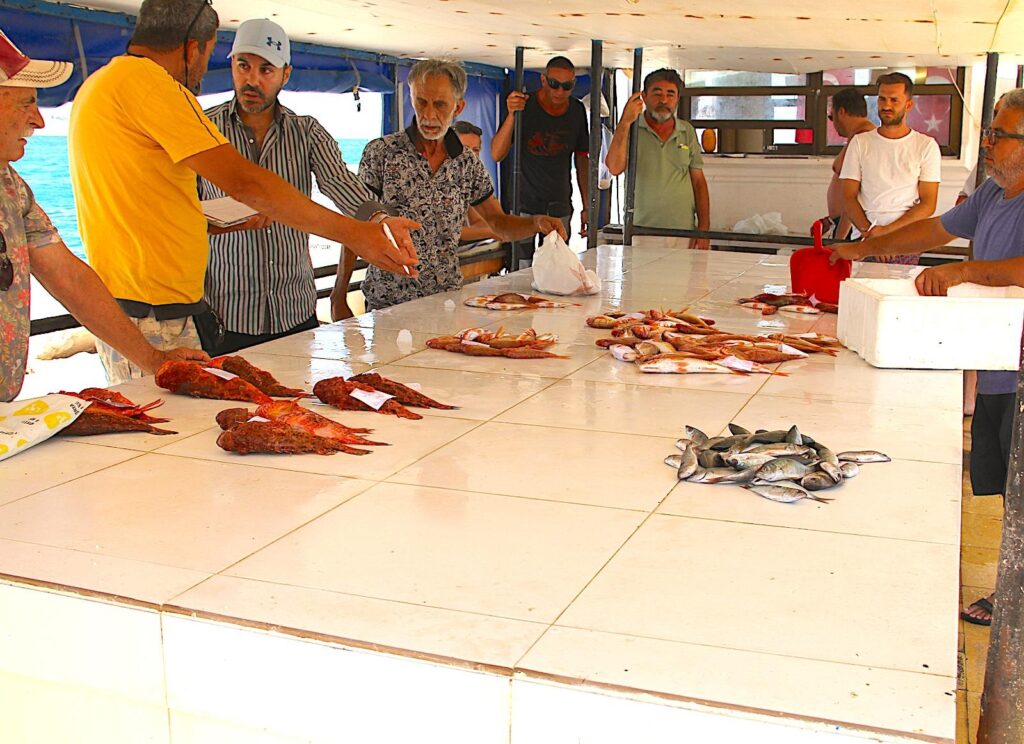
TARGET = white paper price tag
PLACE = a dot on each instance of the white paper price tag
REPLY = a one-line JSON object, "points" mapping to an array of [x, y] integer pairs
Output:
{"points": [[373, 398], [741, 365], [258, 420], [220, 373], [787, 349]]}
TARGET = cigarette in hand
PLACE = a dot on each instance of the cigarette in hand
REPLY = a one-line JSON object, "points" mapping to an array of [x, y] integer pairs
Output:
{"points": [[391, 237]]}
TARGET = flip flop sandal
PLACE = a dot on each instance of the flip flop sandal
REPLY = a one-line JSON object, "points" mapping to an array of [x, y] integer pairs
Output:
{"points": [[981, 604]]}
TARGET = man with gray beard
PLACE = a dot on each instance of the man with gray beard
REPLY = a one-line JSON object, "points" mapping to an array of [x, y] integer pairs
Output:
{"points": [[427, 174], [671, 191], [993, 216]]}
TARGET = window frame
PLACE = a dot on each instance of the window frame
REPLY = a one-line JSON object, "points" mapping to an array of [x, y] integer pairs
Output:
{"points": [[816, 95]]}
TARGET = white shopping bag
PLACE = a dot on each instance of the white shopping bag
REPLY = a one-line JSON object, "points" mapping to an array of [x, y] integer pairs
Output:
{"points": [[29, 422], [557, 270]]}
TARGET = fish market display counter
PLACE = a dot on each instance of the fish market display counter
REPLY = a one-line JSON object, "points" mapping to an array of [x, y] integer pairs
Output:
{"points": [[523, 569]]}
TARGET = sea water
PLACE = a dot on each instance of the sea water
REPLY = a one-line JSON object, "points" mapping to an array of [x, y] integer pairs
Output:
{"points": [[45, 170]]}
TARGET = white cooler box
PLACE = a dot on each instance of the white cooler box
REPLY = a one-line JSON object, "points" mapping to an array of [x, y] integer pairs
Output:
{"points": [[888, 324]]}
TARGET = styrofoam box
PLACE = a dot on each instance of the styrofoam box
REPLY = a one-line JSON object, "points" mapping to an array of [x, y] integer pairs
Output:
{"points": [[888, 324]]}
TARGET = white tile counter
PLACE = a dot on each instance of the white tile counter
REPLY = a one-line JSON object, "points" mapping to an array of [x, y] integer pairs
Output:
{"points": [[522, 570]]}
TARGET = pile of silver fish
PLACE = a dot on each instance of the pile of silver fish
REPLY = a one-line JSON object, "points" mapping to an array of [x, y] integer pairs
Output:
{"points": [[783, 465]]}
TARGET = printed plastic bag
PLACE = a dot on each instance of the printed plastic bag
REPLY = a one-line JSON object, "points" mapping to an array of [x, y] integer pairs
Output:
{"points": [[28, 422], [557, 270], [769, 223]]}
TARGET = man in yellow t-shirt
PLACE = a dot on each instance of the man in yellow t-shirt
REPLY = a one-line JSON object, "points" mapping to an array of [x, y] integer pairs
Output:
{"points": [[137, 139]]}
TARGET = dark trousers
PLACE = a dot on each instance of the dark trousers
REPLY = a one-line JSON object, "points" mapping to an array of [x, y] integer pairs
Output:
{"points": [[235, 341]]}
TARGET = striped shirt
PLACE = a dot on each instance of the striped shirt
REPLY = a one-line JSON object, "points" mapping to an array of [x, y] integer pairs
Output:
{"points": [[261, 281]]}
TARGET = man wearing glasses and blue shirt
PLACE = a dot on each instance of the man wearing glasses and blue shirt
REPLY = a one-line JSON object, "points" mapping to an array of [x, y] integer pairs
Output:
{"points": [[555, 135], [993, 217]]}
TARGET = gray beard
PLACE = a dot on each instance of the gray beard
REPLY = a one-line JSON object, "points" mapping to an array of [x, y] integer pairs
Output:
{"points": [[660, 116]]}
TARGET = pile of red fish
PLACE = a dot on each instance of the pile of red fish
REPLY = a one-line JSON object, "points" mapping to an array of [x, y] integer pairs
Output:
{"points": [[481, 342], [109, 412], [769, 304], [286, 427], [680, 342]]}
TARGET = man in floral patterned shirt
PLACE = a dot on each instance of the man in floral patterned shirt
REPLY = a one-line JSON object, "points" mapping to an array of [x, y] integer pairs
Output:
{"points": [[425, 174], [29, 244]]}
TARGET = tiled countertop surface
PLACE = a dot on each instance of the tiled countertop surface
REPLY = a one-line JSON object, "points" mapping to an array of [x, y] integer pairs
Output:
{"points": [[535, 530]]}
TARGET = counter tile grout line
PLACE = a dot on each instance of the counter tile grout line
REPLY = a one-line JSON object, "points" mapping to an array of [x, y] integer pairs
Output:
{"points": [[924, 672], [806, 529], [511, 495], [407, 603], [477, 423], [78, 477], [591, 580]]}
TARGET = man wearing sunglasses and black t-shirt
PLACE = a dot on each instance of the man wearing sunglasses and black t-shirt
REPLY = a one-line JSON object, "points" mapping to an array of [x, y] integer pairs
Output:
{"points": [[555, 134]]}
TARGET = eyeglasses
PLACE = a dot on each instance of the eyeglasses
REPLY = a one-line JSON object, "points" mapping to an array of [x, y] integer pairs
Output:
{"points": [[6, 267], [994, 135], [188, 32], [567, 85]]}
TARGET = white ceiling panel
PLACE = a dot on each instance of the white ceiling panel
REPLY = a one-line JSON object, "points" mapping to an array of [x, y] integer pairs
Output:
{"points": [[778, 36]]}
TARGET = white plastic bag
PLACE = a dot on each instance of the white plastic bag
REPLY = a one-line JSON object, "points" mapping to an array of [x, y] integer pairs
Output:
{"points": [[557, 270], [29, 422], [769, 223]]}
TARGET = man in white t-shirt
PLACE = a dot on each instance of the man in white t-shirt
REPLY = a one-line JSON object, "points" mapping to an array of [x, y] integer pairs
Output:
{"points": [[891, 176]]}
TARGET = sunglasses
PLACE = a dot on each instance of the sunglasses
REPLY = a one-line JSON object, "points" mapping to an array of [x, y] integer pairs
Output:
{"points": [[6, 267], [567, 85], [994, 135]]}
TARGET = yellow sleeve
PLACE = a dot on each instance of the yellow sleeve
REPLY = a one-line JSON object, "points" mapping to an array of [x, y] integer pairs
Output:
{"points": [[172, 116]]}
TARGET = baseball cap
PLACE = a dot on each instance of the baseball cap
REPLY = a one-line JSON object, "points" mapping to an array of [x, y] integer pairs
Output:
{"points": [[18, 71], [262, 37]]}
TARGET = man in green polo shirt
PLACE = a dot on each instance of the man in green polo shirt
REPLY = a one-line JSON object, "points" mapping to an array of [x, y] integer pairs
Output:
{"points": [[671, 191]]}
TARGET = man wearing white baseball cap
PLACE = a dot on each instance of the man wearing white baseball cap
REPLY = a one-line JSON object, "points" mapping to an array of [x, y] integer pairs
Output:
{"points": [[137, 138], [260, 279], [31, 246]]}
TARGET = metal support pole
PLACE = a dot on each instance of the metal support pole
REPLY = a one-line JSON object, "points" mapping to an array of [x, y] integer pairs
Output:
{"points": [[627, 222], [395, 113], [1020, 76], [594, 208], [1002, 702], [991, 72], [517, 152]]}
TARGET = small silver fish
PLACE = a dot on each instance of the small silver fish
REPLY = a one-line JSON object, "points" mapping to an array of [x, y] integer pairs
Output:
{"points": [[785, 493], [782, 468], [742, 476], [825, 453], [863, 456], [695, 435], [682, 444], [737, 429], [737, 440], [817, 481], [688, 463], [793, 435], [712, 475], [744, 460], [674, 461], [849, 469], [710, 459], [782, 449], [768, 437], [832, 471]]}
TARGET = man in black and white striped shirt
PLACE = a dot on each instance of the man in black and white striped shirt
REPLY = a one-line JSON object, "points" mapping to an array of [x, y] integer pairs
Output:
{"points": [[260, 278]]}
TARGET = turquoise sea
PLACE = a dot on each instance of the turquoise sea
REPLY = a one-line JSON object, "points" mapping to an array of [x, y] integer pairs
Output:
{"points": [[45, 169]]}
